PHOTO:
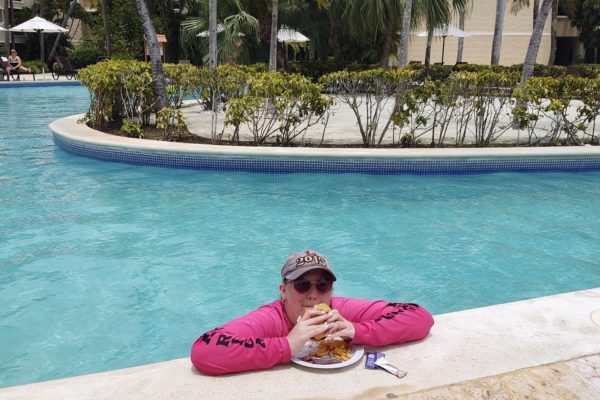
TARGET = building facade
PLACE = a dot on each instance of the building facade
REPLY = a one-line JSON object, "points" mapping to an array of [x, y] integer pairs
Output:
{"points": [[480, 19]]}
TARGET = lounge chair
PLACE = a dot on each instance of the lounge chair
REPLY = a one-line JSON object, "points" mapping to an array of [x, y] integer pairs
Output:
{"points": [[63, 67], [16, 75], [5, 75]]}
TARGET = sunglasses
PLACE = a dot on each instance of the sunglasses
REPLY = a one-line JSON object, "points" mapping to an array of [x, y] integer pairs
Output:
{"points": [[303, 285]]}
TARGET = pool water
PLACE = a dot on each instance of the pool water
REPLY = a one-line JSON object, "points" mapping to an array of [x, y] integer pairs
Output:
{"points": [[106, 265]]}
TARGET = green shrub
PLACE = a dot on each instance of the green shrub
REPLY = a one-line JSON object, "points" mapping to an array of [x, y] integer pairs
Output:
{"points": [[132, 129], [84, 55], [182, 81], [278, 104], [541, 70], [591, 71], [118, 88]]}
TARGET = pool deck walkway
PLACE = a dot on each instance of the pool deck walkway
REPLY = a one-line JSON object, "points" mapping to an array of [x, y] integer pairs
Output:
{"points": [[542, 348]]}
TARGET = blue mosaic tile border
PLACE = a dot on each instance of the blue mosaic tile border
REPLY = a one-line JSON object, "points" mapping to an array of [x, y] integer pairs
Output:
{"points": [[280, 165], [38, 84]]}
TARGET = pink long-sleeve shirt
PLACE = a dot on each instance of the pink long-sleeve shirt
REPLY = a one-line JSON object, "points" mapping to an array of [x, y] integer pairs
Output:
{"points": [[258, 340]]}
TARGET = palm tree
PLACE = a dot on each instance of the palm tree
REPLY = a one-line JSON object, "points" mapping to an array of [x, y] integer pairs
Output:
{"points": [[437, 13], [273, 40], [106, 25], [212, 34], [517, 5], [59, 36], [6, 18], [536, 39], [403, 48], [238, 26], [570, 6], [158, 75], [498, 28], [376, 20], [461, 40]]}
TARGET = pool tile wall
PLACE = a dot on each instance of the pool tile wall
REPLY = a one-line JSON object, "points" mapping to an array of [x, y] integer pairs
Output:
{"points": [[374, 166]]}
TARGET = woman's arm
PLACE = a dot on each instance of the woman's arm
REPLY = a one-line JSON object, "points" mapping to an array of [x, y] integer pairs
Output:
{"points": [[254, 341], [379, 323]]}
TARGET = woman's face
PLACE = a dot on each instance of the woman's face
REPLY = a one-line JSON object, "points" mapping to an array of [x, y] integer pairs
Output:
{"points": [[295, 302]]}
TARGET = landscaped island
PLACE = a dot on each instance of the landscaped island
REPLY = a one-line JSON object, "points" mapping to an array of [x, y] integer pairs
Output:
{"points": [[478, 103]]}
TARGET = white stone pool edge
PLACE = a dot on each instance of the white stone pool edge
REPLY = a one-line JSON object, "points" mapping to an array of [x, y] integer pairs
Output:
{"points": [[463, 346], [69, 128]]}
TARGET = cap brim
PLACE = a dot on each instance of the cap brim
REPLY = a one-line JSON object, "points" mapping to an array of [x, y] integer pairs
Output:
{"points": [[301, 271]]}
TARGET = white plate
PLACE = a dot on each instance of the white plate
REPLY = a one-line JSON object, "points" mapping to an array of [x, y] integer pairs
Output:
{"points": [[356, 351]]}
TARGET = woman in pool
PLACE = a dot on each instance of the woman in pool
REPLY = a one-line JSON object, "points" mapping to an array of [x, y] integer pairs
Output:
{"points": [[273, 333], [15, 63]]}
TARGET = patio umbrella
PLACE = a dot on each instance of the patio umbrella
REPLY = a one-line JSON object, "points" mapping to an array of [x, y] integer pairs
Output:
{"points": [[2, 29], [39, 25], [220, 29], [288, 35], [444, 32]]}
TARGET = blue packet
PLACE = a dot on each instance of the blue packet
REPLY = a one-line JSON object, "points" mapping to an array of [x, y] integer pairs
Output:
{"points": [[372, 357]]}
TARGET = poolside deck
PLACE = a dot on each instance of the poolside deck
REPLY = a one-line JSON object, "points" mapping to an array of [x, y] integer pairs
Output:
{"points": [[543, 348]]}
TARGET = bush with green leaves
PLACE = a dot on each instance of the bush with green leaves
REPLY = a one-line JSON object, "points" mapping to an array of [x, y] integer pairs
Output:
{"points": [[368, 94], [118, 88], [132, 128], [170, 120], [84, 55], [541, 70], [591, 71], [571, 104], [181, 81], [278, 106]]}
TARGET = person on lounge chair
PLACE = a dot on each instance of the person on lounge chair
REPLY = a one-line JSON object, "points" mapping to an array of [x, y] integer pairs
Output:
{"points": [[15, 63]]}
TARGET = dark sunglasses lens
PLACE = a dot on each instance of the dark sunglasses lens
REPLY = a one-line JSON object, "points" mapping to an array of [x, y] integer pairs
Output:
{"points": [[324, 286], [302, 285]]}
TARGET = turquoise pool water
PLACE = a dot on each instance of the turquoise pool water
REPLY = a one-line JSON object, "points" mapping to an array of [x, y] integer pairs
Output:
{"points": [[106, 266]]}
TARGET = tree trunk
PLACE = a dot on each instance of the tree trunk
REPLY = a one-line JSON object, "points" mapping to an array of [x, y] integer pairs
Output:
{"points": [[6, 18], [461, 40], [158, 75], [212, 34], [553, 24], [536, 39], [336, 46], [403, 48], [384, 59], [106, 25], [498, 28], [536, 9], [428, 48], [59, 36], [273, 41], [41, 34]]}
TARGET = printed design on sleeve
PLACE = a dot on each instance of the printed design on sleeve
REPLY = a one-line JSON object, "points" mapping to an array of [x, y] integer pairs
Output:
{"points": [[399, 308], [226, 340]]}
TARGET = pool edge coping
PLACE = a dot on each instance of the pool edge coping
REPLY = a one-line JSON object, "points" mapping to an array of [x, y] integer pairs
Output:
{"points": [[70, 129]]}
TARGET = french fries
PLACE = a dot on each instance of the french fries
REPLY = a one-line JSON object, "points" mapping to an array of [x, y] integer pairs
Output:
{"points": [[336, 348]]}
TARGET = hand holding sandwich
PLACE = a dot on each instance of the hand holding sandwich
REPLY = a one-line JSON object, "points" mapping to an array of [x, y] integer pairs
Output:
{"points": [[311, 323], [317, 323], [341, 327]]}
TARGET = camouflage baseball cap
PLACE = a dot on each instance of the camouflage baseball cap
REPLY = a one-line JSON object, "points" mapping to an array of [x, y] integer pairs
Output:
{"points": [[302, 262]]}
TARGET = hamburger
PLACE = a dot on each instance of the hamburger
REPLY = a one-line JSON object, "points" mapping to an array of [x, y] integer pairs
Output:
{"points": [[330, 348], [320, 307]]}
